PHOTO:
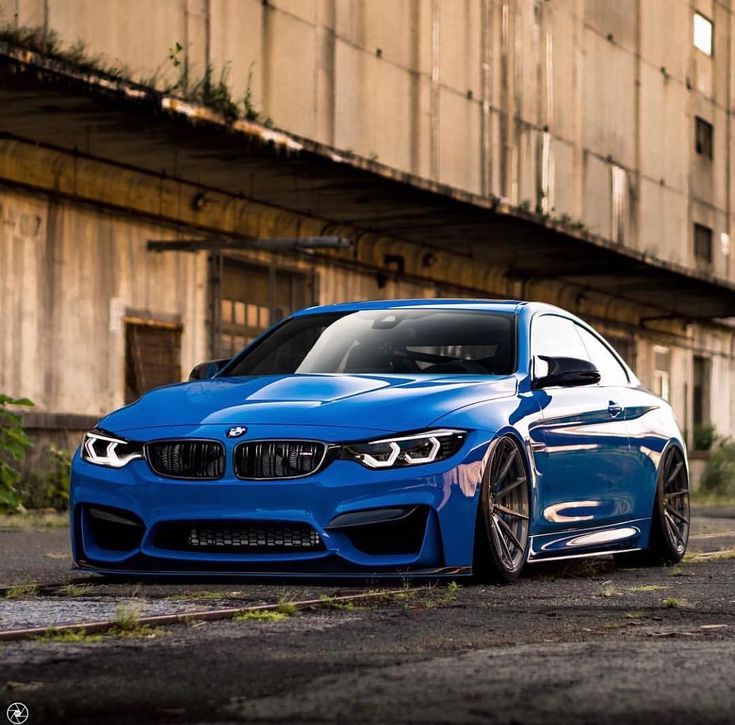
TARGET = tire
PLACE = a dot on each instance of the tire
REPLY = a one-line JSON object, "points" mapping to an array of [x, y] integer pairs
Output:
{"points": [[502, 529], [669, 518]]}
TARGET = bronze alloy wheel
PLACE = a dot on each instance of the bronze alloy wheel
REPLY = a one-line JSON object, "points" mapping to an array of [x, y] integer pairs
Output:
{"points": [[502, 531]]}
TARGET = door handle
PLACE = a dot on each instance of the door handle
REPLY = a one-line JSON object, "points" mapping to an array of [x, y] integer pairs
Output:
{"points": [[614, 409]]}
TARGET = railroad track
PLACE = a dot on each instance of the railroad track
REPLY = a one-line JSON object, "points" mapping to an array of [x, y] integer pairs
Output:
{"points": [[203, 615]]}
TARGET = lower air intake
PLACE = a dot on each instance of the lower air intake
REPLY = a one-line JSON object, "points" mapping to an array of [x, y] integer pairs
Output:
{"points": [[245, 537]]}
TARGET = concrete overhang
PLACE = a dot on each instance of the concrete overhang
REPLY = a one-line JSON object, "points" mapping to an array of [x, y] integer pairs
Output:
{"points": [[52, 102]]}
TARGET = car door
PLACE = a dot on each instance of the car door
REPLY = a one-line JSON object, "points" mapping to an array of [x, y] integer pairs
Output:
{"points": [[581, 444]]}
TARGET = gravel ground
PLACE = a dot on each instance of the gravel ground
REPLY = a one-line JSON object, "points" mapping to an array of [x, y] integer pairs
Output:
{"points": [[577, 643]]}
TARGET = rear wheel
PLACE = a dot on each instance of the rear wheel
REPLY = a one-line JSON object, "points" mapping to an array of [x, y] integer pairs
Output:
{"points": [[670, 518], [501, 544]]}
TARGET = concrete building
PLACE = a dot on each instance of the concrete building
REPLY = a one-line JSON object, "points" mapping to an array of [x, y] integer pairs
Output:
{"points": [[572, 151]]}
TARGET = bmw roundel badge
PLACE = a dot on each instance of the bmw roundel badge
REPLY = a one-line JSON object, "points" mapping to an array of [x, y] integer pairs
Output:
{"points": [[237, 431]]}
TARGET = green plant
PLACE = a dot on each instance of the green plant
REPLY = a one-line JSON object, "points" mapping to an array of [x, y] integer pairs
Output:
{"points": [[704, 436], [75, 590], [286, 607], [127, 617], [77, 636], [13, 445], [261, 615], [19, 591], [675, 603], [719, 474], [57, 480], [215, 93], [250, 113]]}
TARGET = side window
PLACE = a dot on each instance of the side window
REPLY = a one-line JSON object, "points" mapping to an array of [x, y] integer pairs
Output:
{"points": [[557, 337], [611, 371]]}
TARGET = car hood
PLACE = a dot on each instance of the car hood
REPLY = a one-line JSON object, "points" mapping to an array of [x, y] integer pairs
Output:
{"points": [[388, 403]]}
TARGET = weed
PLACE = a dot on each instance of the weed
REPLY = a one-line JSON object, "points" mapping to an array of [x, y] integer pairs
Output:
{"points": [[450, 593], [46, 42], [201, 596], [710, 556], [18, 591], [75, 590], [608, 589], [250, 113], [215, 94], [647, 588], [287, 608], [127, 617], [675, 603], [141, 631], [332, 603], [66, 635], [635, 615], [13, 445], [261, 615]]}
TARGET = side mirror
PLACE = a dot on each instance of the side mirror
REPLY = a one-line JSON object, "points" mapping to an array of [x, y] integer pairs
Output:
{"points": [[208, 369], [567, 372]]}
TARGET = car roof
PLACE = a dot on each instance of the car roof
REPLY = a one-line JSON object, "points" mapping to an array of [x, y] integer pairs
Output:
{"points": [[438, 303], [434, 303]]}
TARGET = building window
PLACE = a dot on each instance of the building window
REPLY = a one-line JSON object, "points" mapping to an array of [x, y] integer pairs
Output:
{"points": [[700, 391], [662, 371], [703, 137], [703, 34], [152, 356], [703, 243], [251, 299], [619, 185]]}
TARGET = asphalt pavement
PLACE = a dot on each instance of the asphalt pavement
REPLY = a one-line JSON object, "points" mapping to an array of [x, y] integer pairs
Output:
{"points": [[569, 643]]}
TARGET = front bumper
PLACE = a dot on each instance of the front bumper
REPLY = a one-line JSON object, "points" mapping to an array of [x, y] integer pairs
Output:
{"points": [[441, 499]]}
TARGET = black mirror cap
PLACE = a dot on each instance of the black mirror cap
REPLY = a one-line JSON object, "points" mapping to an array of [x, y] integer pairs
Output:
{"points": [[208, 369], [567, 372]]}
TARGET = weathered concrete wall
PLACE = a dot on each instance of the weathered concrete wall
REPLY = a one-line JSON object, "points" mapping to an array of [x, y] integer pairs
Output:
{"points": [[71, 269], [540, 102]]}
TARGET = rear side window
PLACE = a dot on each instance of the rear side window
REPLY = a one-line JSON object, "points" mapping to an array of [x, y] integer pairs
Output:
{"points": [[556, 337], [611, 371], [560, 337]]}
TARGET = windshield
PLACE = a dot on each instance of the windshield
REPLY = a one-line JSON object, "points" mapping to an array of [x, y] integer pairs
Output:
{"points": [[386, 341]]}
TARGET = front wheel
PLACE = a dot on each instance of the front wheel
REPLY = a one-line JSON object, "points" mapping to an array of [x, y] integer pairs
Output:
{"points": [[670, 517], [502, 540]]}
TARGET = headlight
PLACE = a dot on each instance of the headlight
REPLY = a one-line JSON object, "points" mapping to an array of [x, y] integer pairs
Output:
{"points": [[105, 449], [410, 450]]}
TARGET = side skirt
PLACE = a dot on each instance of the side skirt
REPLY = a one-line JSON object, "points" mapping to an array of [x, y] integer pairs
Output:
{"points": [[618, 538]]}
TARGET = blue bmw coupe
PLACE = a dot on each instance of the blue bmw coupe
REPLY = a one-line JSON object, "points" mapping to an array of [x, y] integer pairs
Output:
{"points": [[411, 437]]}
